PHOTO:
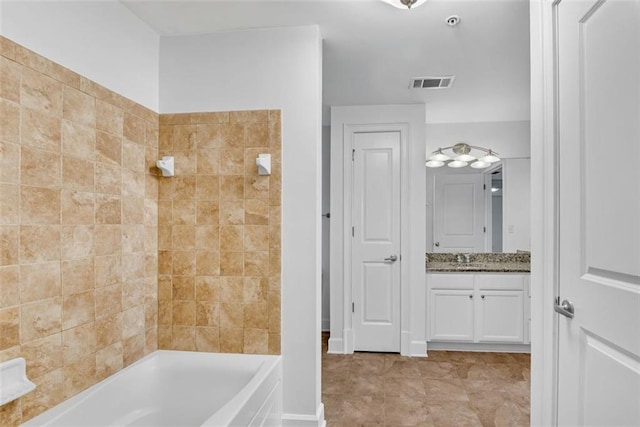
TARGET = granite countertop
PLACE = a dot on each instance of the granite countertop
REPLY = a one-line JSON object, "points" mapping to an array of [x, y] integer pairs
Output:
{"points": [[519, 262]]}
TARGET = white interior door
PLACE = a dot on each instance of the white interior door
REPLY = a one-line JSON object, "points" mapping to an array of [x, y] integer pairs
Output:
{"points": [[376, 241], [459, 213], [598, 47]]}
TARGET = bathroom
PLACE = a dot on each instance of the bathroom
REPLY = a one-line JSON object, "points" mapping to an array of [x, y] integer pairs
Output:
{"points": [[80, 260], [84, 209], [126, 243]]}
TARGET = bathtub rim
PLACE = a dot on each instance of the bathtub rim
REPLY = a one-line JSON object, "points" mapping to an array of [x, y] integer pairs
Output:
{"points": [[226, 412]]}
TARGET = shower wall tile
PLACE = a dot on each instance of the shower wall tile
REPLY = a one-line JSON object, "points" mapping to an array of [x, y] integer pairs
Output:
{"points": [[40, 130], [78, 174], [219, 233], [39, 168], [78, 229], [10, 121], [79, 107], [9, 160], [101, 259]]}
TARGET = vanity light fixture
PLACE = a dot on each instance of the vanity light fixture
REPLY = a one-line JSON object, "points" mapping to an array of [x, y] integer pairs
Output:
{"points": [[405, 4], [461, 155]]}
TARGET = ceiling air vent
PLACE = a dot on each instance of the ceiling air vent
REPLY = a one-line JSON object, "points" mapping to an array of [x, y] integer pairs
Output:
{"points": [[432, 82]]}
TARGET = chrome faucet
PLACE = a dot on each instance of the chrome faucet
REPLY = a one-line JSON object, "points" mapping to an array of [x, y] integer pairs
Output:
{"points": [[463, 258]]}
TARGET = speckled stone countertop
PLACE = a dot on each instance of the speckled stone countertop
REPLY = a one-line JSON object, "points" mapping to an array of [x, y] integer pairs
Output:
{"points": [[519, 262]]}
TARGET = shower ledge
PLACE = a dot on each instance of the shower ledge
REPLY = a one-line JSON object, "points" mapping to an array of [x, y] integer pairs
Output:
{"points": [[13, 380]]}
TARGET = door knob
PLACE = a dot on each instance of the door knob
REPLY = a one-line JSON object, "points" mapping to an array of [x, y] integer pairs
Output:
{"points": [[392, 258], [566, 308], [436, 244]]}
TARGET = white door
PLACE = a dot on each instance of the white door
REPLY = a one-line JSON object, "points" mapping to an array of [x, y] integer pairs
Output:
{"points": [[376, 241], [459, 213], [598, 47]]}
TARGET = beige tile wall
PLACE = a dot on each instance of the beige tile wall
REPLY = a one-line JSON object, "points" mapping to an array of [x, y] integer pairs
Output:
{"points": [[78, 229], [219, 233]]}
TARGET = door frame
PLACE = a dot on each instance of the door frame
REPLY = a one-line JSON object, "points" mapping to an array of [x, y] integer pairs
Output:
{"points": [[544, 207], [409, 120]]}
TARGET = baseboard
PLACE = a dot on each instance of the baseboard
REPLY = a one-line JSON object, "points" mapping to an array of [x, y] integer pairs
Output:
{"points": [[497, 347], [300, 420], [336, 346], [412, 348], [418, 349]]}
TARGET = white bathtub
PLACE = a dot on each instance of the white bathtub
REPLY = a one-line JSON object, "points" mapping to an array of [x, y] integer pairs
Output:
{"points": [[179, 388]]}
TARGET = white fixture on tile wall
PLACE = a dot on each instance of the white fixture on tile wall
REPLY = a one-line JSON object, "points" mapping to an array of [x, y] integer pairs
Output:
{"points": [[166, 165], [263, 161], [13, 380]]}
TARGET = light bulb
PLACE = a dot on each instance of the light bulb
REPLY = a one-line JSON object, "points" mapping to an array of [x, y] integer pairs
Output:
{"points": [[465, 158], [479, 164], [404, 4], [457, 164], [439, 156], [434, 164], [490, 157]]}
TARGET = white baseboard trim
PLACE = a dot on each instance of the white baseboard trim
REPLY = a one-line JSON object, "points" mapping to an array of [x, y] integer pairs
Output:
{"points": [[459, 346], [348, 345], [405, 343], [301, 420], [336, 346], [418, 349]]}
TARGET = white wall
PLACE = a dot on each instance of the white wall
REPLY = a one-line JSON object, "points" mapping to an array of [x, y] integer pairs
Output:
{"points": [[509, 139], [274, 69], [101, 40], [516, 230]]}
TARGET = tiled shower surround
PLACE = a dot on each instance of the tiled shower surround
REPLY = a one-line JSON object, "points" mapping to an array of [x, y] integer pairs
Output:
{"points": [[219, 233], [85, 219]]}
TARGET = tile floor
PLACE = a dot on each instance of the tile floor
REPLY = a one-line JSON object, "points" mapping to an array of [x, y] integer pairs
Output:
{"points": [[446, 389]]}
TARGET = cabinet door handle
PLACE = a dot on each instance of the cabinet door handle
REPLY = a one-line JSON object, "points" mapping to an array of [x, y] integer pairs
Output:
{"points": [[482, 296], [470, 296]]}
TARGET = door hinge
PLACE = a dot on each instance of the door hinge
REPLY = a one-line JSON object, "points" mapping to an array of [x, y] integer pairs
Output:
{"points": [[353, 155], [484, 229], [353, 231], [353, 307]]}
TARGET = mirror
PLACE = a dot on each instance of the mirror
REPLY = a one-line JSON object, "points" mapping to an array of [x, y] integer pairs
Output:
{"points": [[479, 211], [495, 213]]}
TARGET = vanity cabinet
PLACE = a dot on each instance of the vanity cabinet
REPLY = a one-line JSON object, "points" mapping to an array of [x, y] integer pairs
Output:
{"points": [[478, 307], [451, 307]]}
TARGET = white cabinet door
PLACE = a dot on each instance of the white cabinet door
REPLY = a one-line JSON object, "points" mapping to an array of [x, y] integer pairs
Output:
{"points": [[500, 316], [451, 315]]}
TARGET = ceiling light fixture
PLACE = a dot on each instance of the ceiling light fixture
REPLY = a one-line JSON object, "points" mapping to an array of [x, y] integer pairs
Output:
{"points": [[461, 155], [405, 4]]}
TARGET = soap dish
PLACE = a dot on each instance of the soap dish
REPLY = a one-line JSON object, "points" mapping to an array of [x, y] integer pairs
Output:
{"points": [[13, 380]]}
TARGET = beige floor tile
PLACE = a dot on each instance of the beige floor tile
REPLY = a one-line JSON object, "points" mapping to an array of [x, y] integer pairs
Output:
{"points": [[446, 389]]}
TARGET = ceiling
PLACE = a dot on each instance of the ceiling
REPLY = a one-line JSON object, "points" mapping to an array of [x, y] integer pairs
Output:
{"points": [[371, 49]]}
